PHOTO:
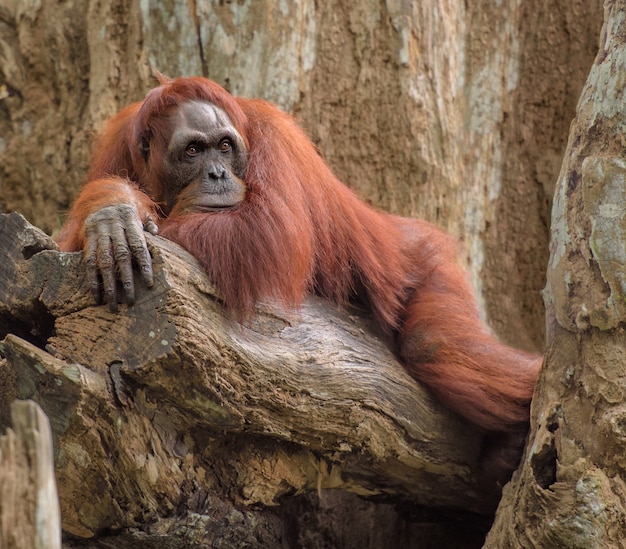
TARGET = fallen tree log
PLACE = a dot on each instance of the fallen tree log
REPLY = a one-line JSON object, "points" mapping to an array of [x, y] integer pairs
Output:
{"points": [[166, 402]]}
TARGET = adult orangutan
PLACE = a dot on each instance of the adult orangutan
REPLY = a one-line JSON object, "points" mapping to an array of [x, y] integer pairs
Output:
{"points": [[238, 184]]}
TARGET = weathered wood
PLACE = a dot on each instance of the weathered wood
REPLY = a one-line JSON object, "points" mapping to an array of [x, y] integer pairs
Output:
{"points": [[168, 398], [29, 505], [569, 490]]}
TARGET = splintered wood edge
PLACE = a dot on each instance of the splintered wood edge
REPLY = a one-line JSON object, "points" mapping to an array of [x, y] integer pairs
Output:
{"points": [[29, 504]]}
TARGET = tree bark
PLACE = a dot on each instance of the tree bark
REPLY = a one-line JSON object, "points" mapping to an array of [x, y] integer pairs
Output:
{"points": [[570, 490], [167, 401]]}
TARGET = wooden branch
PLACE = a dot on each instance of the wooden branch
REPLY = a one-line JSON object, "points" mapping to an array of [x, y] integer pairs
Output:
{"points": [[168, 398], [29, 506]]}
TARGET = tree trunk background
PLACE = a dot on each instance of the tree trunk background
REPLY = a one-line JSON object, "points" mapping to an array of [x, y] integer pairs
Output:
{"points": [[453, 112]]}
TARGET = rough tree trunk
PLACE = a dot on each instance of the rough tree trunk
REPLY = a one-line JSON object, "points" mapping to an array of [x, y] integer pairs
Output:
{"points": [[570, 491], [167, 404]]}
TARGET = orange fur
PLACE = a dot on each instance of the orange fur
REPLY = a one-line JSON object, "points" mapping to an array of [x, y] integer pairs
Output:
{"points": [[301, 230]]}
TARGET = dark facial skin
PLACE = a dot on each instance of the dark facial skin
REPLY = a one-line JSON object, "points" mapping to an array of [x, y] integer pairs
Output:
{"points": [[205, 161]]}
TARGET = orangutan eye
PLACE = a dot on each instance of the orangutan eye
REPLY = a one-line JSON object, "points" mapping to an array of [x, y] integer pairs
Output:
{"points": [[192, 150], [225, 145]]}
